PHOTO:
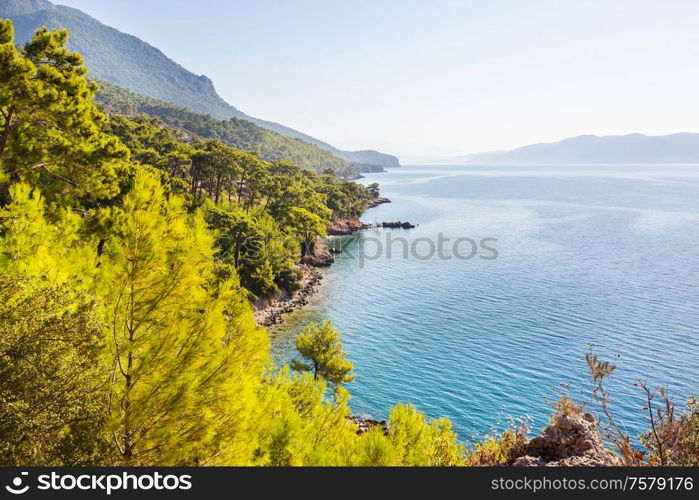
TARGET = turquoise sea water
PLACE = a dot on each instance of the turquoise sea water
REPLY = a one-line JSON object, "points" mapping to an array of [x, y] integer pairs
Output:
{"points": [[586, 254]]}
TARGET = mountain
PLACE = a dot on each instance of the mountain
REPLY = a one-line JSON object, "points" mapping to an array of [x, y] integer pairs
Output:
{"points": [[117, 57], [130, 62], [236, 132], [590, 149]]}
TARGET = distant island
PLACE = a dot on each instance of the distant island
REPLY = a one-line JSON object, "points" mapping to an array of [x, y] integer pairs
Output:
{"points": [[682, 147]]}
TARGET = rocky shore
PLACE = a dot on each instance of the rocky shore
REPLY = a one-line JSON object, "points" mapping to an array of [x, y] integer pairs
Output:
{"points": [[377, 201], [365, 424], [570, 441], [398, 225], [322, 256], [345, 226], [271, 312], [349, 225]]}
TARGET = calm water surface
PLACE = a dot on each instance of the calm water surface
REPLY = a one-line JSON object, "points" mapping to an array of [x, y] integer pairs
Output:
{"points": [[586, 254]]}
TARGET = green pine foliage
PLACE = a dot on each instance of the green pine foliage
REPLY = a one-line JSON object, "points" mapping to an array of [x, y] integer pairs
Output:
{"points": [[51, 390], [50, 129], [176, 377], [129, 252], [321, 348]]}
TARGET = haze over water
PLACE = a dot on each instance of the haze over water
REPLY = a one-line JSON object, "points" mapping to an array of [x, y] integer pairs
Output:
{"points": [[603, 254]]}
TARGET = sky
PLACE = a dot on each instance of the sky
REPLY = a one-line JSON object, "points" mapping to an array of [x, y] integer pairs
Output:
{"points": [[435, 77]]}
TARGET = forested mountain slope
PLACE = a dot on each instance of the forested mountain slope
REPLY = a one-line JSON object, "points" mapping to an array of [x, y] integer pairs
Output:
{"points": [[128, 61], [236, 132]]}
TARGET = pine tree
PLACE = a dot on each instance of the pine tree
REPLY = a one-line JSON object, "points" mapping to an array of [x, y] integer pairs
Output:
{"points": [[308, 226], [183, 377], [306, 428], [55, 251], [422, 442], [322, 348], [52, 380], [52, 398], [50, 130]]}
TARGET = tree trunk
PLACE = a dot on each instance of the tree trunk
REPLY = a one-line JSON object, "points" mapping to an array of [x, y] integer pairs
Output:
{"points": [[6, 131], [236, 254], [128, 431], [251, 200], [218, 187], [240, 187]]}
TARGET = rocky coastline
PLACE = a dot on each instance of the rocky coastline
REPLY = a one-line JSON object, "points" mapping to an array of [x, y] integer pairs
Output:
{"points": [[270, 312], [365, 424], [374, 202], [571, 440], [345, 226]]}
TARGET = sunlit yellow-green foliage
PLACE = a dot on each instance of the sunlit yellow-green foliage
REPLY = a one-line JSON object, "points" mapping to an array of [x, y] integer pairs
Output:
{"points": [[53, 251], [306, 428], [126, 335], [313, 430], [321, 349], [175, 393], [496, 449], [420, 441]]}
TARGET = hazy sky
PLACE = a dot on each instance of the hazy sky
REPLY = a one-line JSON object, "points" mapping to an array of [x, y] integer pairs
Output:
{"points": [[435, 77]]}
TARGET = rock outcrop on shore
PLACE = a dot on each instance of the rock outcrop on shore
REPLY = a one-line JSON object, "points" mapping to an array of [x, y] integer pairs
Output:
{"points": [[345, 226], [398, 225], [377, 201], [366, 424], [349, 225], [570, 441], [322, 256]]}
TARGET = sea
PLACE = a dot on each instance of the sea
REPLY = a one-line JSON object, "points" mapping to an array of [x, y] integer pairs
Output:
{"points": [[484, 311]]}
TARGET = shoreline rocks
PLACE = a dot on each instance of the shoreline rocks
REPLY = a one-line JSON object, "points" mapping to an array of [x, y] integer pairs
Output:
{"points": [[322, 256], [365, 424], [345, 226], [374, 202], [270, 313], [398, 225], [570, 441]]}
